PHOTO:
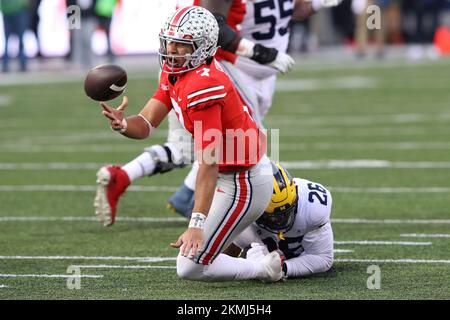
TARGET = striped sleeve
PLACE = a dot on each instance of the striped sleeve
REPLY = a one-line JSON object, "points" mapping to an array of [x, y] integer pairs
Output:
{"points": [[206, 96], [162, 94]]}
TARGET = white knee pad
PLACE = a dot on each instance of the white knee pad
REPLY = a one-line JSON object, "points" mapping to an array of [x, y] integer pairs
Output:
{"points": [[189, 270], [166, 157]]}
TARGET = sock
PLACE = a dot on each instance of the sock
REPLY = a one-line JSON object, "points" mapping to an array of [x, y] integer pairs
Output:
{"points": [[191, 178], [225, 268], [139, 167]]}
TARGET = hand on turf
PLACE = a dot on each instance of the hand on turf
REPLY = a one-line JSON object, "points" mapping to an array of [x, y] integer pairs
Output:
{"points": [[115, 116], [191, 241]]}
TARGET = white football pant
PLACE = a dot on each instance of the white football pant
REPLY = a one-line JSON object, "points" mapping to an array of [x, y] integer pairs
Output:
{"points": [[240, 198]]}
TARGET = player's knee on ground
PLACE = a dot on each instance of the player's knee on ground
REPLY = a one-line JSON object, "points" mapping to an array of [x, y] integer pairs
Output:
{"points": [[328, 262], [189, 270]]}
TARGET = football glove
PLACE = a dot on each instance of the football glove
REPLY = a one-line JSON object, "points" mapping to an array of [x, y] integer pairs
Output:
{"points": [[320, 4], [283, 62], [264, 55], [257, 251], [358, 6]]}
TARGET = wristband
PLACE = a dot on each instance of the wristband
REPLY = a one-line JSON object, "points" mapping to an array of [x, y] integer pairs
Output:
{"points": [[245, 48], [150, 127], [197, 220]]}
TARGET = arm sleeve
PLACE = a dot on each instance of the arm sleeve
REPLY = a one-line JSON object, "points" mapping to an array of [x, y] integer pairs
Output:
{"points": [[318, 254]]}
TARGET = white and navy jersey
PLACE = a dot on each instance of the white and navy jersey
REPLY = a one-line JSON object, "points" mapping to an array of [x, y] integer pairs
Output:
{"points": [[266, 22], [313, 213]]}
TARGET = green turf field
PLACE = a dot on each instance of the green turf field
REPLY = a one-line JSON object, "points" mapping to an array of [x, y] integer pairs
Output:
{"points": [[394, 119]]}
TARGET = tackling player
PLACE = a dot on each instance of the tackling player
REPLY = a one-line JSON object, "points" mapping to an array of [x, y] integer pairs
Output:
{"points": [[232, 188], [296, 224]]}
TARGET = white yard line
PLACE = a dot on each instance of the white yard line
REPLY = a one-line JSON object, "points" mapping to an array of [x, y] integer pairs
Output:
{"points": [[364, 164], [50, 276], [5, 101], [424, 235], [325, 84], [389, 190], [342, 251], [366, 146], [415, 261], [304, 165], [383, 243], [2, 286], [50, 166], [180, 219], [390, 221], [92, 188], [102, 258], [73, 188], [367, 131], [107, 266], [30, 147], [89, 219], [284, 121], [22, 148]]}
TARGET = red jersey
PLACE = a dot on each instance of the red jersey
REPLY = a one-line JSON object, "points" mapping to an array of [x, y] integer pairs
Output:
{"points": [[210, 108], [235, 17]]}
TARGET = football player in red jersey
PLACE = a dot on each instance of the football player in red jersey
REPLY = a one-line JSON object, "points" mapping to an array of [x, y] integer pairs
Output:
{"points": [[234, 184], [256, 55]]}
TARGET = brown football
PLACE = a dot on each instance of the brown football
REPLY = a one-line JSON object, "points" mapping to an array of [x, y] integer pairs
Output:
{"points": [[105, 82]]}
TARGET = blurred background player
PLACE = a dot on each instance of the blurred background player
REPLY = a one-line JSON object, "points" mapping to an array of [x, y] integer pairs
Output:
{"points": [[362, 33], [296, 224], [231, 191], [252, 51], [34, 25], [104, 10], [15, 22], [81, 53]]}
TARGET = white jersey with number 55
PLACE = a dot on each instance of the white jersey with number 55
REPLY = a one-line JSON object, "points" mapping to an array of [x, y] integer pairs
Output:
{"points": [[266, 22]]}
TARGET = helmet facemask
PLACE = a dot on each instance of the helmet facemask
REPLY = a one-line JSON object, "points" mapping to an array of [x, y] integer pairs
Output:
{"points": [[192, 60]]}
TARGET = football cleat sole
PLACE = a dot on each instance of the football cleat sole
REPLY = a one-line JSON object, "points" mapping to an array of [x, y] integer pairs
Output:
{"points": [[101, 204]]}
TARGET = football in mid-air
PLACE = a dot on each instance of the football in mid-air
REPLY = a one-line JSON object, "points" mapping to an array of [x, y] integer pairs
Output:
{"points": [[105, 82]]}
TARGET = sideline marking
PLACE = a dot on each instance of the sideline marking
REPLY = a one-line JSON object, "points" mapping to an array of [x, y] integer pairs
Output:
{"points": [[50, 276], [386, 243], [111, 258], [392, 261]]}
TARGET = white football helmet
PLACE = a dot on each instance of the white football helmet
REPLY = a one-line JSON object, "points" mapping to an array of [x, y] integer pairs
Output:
{"points": [[191, 25]]}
